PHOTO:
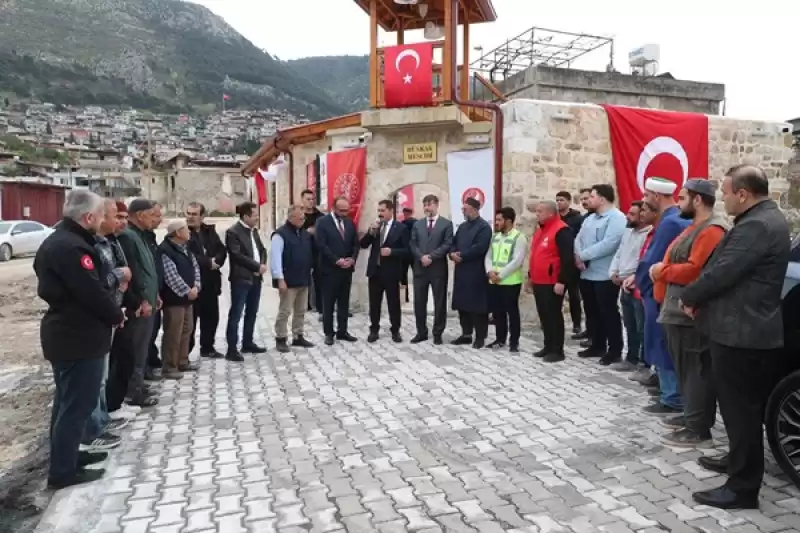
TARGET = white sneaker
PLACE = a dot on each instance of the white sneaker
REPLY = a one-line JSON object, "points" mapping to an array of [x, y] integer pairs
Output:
{"points": [[121, 414], [131, 408]]}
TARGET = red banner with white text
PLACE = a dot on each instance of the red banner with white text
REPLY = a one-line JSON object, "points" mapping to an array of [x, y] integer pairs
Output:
{"points": [[311, 177], [647, 143], [347, 176]]}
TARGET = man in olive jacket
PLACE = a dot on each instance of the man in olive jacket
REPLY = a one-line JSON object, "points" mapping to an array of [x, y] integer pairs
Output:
{"points": [[141, 298], [736, 301]]}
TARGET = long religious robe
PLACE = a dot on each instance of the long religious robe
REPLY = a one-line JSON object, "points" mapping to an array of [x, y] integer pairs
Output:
{"points": [[470, 284]]}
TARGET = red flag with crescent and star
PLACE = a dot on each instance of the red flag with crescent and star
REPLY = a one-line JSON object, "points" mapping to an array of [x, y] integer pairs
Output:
{"points": [[408, 75], [647, 143]]}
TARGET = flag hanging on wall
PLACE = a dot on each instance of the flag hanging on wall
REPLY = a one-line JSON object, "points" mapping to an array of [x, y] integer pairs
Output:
{"points": [[261, 187], [347, 176], [647, 143], [311, 176], [408, 75]]}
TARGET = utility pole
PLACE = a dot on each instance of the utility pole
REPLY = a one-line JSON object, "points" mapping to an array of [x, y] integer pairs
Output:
{"points": [[149, 163]]}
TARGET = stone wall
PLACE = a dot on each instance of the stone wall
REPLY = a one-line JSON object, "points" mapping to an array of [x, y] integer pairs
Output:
{"points": [[218, 189]]}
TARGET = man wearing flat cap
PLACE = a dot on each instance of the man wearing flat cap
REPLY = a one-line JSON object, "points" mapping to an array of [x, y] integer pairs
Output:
{"points": [[140, 300], [179, 290], [470, 288], [689, 346], [658, 195]]}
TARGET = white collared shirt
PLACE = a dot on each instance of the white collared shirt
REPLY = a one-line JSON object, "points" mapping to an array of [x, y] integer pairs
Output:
{"points": [[428, 221], [256, 251]]}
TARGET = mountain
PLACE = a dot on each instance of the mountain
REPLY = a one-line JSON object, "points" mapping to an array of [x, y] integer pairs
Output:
{"points": [[154, 54], [344, 78]]}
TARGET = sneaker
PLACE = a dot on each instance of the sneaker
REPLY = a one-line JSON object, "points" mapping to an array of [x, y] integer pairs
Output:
{"points": [[659, 409], [81, 476], [172, 375], [674, 422], [686, 438], [641, 375], [189, 367], [91, 458], [122, 414], [135, 409], [301, 342], [624, 366], [495, 344], [116, 425], [106, 441]]}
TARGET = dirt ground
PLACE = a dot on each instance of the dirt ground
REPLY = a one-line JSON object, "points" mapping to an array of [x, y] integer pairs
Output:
{"points": [[25, 398]]}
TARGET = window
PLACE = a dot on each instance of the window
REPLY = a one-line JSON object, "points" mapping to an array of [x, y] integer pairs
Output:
{"points": [[4, 227], [28, 227]]}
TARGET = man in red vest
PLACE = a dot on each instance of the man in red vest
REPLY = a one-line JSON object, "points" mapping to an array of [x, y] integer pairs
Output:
{"points": [[552, 268]]}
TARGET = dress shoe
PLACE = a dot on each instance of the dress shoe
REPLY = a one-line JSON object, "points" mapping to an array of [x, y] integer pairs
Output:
{"points": [[372, 337], [253, 348], [282, 345], [553, 357], [152, 374], [718, 464], [579, 335], [79, 477], [396, 337], [345, 337], [234, 356], [173, 375], [590, 352], [302, 342], [495, 344], [540, 353], [585, 343], [513, 348], [609, 359], [91, 458], [211, 354], [418, 339], [437, 340], [463, 340], [478, 344], [328, 340], [726, 498], [189, 367], [659, 409]]}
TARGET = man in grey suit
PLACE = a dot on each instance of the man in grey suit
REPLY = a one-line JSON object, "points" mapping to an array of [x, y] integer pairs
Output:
{"points": [[431, 239]]}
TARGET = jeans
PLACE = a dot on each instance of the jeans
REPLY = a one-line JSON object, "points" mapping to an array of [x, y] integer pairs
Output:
{"points": [[96, 425], [633, 318], [77, 389], [668, 385], [245, 298]]}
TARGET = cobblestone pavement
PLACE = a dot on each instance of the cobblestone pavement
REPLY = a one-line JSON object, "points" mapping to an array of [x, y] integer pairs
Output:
{"points": [[391, 438]]}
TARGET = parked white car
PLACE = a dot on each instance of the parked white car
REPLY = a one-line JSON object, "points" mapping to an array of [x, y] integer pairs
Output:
{"points": [[20, 237]]}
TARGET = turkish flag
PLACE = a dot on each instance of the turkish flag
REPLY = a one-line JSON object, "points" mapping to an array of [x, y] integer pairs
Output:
{"points": [[408, 75], [664, 144], [347, 176], [261, 187]]}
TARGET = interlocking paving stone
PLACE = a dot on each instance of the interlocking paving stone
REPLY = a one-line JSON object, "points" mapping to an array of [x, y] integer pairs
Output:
{"points": [[389, 437]]}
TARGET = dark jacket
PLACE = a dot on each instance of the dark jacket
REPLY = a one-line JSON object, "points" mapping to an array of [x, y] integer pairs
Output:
{"points": [[437, 244], [331, 246], [311, 222], [574, 220], [470, 288], [81, 309], [239, 242], [145, 275], [185, 265], [391, 266], [206, 246], [738, 294], [297, 256]]}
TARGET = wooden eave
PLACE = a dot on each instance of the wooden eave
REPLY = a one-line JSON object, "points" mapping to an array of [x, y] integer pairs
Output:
{"points": [[393, 17], [283, 141]]}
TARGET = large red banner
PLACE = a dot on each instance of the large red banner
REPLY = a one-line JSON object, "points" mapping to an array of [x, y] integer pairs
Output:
{"points": [[347, 176], [405, 200], [311, 177], [664, 144], [408, 75]]}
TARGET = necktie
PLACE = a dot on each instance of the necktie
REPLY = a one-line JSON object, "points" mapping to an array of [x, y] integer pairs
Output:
{"points": [[340, 225], [384, 229], [430, 226]]}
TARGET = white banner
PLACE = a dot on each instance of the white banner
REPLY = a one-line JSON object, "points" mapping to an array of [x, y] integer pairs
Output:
{"points": [[471, 174]]}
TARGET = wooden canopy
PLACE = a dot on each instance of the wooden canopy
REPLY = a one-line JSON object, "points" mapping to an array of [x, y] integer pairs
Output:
{"points": [[395, 17]]}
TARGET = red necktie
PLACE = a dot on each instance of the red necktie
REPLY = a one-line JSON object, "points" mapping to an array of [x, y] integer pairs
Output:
{"points": [[340, 224], [430, 226]]}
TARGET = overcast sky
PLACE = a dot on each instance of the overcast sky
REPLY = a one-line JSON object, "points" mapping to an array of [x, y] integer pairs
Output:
{"points": [[751, 47]]}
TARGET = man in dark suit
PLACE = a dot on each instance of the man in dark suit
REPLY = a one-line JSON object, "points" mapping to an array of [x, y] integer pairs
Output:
{"points": [[431, 241], [248, 265], [207, 247], [736, 301], [408, 221], [388, 240], [338, 246]]}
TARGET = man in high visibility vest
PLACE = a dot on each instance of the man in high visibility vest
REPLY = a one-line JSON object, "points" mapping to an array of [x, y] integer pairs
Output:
{"points": [[552, 268], [503, 263]]}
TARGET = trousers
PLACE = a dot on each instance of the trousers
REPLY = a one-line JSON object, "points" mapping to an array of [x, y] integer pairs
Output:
{"points": [[294, 303], [549, 307], [504, 302], [691, 356]]}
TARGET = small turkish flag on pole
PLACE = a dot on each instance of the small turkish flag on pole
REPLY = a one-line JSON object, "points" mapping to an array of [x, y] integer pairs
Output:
{"points": [[226, 97], [408, 75]]}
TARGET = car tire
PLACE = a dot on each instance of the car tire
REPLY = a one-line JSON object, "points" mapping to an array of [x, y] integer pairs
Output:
{"points": [[782, 423], [5, 252]]}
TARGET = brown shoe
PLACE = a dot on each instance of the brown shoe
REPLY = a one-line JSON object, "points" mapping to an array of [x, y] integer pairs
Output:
{"points": [[189, 367], [172, 375]]}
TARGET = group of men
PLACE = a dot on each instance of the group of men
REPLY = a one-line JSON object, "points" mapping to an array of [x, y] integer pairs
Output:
{"points": [[111, 288]]}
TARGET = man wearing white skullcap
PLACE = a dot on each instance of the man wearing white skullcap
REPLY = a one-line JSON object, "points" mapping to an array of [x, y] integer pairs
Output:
{"points": [[658, 195]]}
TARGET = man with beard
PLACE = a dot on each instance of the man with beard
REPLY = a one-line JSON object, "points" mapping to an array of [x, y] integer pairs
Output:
{"points": [[584, 336], [623, 266], [308, 200], [552, 269], [658, 194], [737, 302], [210, 253], [689, 346], [470, 294], [573, 219]]}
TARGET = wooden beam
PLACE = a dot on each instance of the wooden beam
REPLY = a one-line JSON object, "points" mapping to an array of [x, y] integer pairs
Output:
{"points": [[464, 92], [401, 31], [373, 53], [447, 54]]}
